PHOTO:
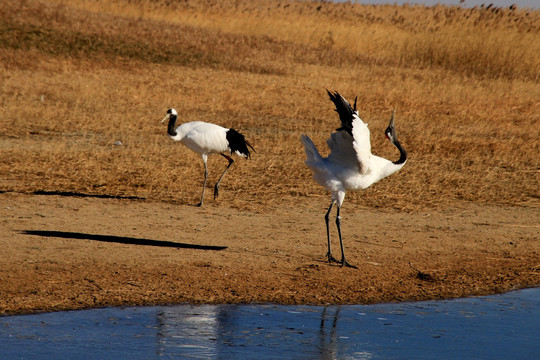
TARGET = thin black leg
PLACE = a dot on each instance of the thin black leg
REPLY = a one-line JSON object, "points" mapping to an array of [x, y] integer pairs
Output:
{"points": [[205, 177], [338, 223], [326, 218], [216, 188]]}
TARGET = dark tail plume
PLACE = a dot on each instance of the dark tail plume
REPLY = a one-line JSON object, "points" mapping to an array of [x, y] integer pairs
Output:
{"points": [[238, 143]]}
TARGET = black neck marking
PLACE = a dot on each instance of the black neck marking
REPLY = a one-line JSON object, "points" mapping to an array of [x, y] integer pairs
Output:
{"points": [[402, 152], [172, 124]]}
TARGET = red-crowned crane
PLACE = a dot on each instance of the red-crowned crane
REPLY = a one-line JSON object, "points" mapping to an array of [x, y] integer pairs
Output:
{"points": [[350, 165], [205, 139]]}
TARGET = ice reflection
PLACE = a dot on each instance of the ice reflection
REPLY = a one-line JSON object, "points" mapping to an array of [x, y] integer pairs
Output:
{"points": [[222, 332], [497, 327], [194, 331], [328, 333]]}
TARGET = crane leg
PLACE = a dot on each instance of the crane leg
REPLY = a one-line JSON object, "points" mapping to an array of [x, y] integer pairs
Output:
{"points": [[216, 188], [326, 218], [205, 177], [338, 223]]}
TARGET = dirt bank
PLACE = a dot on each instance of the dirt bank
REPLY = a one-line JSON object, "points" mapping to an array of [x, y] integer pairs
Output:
{"points": [[73, 252]]}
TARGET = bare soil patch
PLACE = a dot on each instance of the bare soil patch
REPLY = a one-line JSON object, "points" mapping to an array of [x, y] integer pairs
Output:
{"points": [[75, 252]]}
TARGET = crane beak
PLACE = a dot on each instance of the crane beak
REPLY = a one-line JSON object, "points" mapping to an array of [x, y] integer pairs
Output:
{"points": [[392, 119], [391, 130], [166, 117]]}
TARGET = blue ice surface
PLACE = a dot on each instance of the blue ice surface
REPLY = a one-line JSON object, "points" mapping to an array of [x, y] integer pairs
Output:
{"points": [[505, 326]]}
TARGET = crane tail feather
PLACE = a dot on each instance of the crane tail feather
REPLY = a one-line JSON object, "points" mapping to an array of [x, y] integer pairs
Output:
{"points": [[312, 153], [238, 143]]}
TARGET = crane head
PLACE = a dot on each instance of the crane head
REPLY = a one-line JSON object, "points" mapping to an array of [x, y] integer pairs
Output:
{"points": [[170, 112], [390, 131]]}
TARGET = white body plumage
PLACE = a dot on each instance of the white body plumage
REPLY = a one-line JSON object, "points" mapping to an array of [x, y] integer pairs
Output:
{"points": [[344, 168], [204, 138]]}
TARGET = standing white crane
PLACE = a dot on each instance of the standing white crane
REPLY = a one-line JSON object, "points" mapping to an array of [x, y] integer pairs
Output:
{"points": [[350, 165], [205, 139]]}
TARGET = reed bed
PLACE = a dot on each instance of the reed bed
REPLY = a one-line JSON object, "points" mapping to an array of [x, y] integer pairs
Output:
{"points": [[84, 85]]}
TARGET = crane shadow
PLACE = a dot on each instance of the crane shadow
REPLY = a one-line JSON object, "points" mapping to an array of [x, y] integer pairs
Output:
{"points": [[83, 195], [120, 239]]}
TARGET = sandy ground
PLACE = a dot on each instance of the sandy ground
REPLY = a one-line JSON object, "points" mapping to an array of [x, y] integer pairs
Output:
{"points": [[73, 252]]}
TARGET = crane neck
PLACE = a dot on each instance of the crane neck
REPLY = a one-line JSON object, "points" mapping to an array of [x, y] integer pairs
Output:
{"points": [[402, 152], [172, 125]]}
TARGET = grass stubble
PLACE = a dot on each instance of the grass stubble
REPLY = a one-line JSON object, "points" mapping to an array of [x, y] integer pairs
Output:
{"points": [[83, 85]]}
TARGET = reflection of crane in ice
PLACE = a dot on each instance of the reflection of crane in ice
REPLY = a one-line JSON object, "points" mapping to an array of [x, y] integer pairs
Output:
{"points": [[189, 329], [330, 345], [328, 342], [256, 331], [350, 165]]}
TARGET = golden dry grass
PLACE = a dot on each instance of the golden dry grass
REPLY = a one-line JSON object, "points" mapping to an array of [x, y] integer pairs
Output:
{"points": [[79, 75]]}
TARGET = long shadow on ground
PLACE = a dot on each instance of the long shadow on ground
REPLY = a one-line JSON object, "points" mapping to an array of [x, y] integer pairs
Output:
{"points": [[83, 195], [120, 239]]}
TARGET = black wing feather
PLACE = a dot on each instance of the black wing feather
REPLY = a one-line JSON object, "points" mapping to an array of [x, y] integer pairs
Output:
{"points": [[344, 110]]}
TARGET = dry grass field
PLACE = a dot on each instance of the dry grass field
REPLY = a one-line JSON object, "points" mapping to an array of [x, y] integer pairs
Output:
{"points": [[85, 83]]}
